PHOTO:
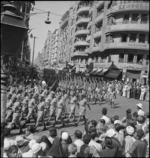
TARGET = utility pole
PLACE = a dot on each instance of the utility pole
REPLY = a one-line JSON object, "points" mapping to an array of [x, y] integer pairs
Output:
{"points": [[33, 50]]}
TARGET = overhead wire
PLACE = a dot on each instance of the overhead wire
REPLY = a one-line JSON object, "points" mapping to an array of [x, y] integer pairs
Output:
{"points": [[47, 11]]}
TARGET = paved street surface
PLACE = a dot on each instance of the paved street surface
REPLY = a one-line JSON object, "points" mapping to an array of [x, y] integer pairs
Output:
{"points": [[122, 104]]}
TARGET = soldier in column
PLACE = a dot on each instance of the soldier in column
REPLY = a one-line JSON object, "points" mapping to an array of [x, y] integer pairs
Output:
{"points": [[60, 107], [16, 115], [40, 113], [82, 106], [72, 104]]}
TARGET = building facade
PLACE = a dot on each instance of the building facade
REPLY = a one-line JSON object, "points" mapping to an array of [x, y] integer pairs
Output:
{"points": [[115, 31], [45, 56], [54, 48], [63, 44], [105, 32]]}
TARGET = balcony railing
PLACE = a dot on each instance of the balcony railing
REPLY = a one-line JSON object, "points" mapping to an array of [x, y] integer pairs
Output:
{"points": [[80, 28], [83, 19], [129, 6], [127, 45], [81, 43], [129, 22], [127, 26], [84, 5]]}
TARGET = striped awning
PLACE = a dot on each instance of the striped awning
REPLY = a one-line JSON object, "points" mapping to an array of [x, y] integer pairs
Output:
{"points": [[93, 71], [97, 71], [102, 72]]}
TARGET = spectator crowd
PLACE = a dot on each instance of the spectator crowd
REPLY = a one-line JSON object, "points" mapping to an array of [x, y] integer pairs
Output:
{"points": [[108, 137]]}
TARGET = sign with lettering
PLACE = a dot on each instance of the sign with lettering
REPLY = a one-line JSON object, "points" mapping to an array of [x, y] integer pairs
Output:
{"points": [[140, 6], [137, 45]]}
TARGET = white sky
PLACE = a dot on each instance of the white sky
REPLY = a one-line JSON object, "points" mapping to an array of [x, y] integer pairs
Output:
{"points": [[37, 21]]}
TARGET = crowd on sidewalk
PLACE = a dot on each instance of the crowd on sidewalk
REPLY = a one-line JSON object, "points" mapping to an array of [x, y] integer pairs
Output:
{"points": [[109, 137]]}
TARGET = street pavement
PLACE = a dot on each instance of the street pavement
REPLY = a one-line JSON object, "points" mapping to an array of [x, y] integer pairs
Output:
{"points": [[121, 103]]}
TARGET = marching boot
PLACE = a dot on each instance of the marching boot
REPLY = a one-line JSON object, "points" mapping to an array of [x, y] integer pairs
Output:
{"points": [[44, 127], [20, 131], [63, 124]]}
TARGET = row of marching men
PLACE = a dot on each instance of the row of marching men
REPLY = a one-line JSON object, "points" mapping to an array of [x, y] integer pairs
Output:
{"points": [[43, 104]]}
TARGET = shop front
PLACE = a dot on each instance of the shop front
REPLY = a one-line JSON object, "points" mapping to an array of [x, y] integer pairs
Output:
{"points": [[133, 75]]}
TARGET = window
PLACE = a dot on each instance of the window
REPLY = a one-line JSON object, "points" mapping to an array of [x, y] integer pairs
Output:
{"points": [[130, 58], [107, 39], [135, 18], [140, 59], [124, 38], [133, 37], [142, 38], [144, 18], [121, 57], [126, 18], [147, 60]]}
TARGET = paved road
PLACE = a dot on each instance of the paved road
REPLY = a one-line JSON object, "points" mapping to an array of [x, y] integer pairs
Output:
{"points": [[122, 104]]}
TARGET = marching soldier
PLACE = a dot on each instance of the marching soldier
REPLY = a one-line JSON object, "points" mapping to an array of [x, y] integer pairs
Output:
{"points": [[82, 106], [73, 102], [16, 115], [40, 113]]}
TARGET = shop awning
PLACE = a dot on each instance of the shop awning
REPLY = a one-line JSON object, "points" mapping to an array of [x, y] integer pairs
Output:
{"points": [[93, 71], [97, 71], [113, 74], [133, 74], [102, 72]]}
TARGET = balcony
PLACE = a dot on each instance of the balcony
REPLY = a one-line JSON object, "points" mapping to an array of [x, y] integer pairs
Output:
{"points": [[99, 17], [64, 23], [81, 43], [96, 48], [89, 24], [82, 31], [87, 50], [83, 9], [122, 45], [91, 10], [88, 38], [79, 53], [97, 34], [130, 6], [125, 26], [83, 20]]}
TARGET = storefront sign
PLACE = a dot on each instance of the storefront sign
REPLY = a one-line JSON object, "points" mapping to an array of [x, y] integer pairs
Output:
{"points": [[143, 6], [145, 75], [137, 45]]}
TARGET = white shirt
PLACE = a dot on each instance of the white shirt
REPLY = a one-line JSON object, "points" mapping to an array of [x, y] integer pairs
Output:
{"points": [[107, 120], [4, 155], [43, 83], [96, 145], [51, 139], [141, 112], [78, 143], [27, 154]]}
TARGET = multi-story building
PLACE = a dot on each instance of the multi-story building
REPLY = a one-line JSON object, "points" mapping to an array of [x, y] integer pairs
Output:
{"points": [[45, 54], [39, 60], [54, 49], [117, 32], [82, 18], [106, 32], [63, 44]]}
